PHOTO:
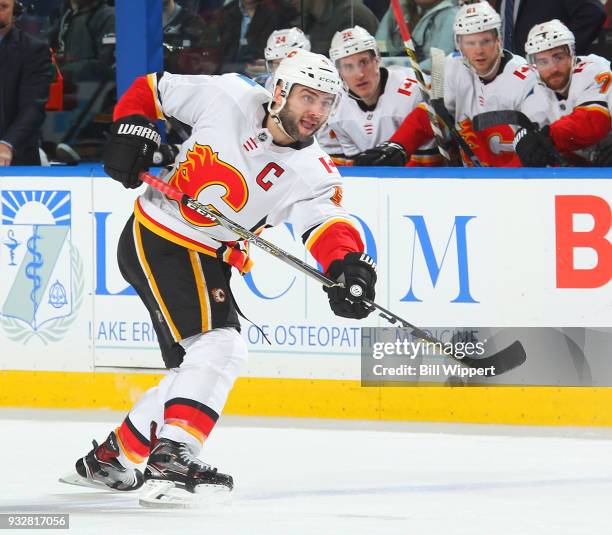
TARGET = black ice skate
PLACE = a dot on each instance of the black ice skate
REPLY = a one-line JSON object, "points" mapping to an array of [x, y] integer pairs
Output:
{"points": [[100, 468], [172, 466]]}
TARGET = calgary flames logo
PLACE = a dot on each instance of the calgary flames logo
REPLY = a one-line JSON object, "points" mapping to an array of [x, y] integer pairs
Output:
{"points": [[467, 133], [201, 169], [492, 145], [336, 198]]}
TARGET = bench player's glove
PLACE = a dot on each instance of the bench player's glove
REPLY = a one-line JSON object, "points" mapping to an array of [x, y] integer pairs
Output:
{"points": [[387, 153], [603, 153], [130, 149], [535, 148], [357, 272]]}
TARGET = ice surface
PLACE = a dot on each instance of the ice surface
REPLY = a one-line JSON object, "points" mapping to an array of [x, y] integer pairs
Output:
{"points": [[301, 480]]}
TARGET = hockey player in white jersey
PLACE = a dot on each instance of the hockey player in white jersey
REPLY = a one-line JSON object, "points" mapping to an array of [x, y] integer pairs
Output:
{"points": [[254, 160], [279, 44], [571, 102], [379, 97], [480, 77]]}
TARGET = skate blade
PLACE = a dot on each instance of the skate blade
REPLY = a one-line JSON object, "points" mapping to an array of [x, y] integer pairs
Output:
{"points": [[75, 479], [211, 490], [166, 495]]}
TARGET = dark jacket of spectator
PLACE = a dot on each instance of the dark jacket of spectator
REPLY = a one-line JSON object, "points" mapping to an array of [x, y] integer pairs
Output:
{"points": [[269, 15], [337, 15], [84, 42], [584, 18], [191, 46], [24, 87]]}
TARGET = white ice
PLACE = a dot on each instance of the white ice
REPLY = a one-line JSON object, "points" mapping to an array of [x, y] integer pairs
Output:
{"points": [[315, 477]]}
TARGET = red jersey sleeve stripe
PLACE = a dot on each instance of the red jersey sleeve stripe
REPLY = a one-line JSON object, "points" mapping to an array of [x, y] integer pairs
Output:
{"points": [[140, 99], [332, 240], [585, 126]]}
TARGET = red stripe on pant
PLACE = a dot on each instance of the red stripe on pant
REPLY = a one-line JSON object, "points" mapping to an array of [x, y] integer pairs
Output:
{"points": [[195, 418], [133, 446]]}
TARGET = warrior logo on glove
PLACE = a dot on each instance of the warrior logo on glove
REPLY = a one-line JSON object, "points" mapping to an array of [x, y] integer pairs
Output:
{"points": [[138, 130], [133, 141], [356, 278]]}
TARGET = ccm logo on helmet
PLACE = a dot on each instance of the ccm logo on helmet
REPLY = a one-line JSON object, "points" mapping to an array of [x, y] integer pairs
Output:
{"points": [[137, 130], [330, 80]]}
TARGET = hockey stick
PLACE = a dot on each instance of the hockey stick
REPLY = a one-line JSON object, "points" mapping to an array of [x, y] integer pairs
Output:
{"points": [[489, 119], [505, 360], [410, 52], [438, 57]]}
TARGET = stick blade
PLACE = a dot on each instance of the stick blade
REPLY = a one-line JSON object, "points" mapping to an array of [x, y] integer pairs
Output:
{"points": [[503, 361], [438, 58]]}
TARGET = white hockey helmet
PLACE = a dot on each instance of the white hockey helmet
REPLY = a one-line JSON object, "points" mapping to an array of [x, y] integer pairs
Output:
{"points": [[352, 41], [549, 35], [476, 18], [308, 69], [281, 42]]}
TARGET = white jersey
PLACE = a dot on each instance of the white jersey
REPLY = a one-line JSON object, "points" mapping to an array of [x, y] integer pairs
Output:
{"points": [[269, 83], [590, 88], [466, 96], [328, 140], [359, 127], [236, 168]]}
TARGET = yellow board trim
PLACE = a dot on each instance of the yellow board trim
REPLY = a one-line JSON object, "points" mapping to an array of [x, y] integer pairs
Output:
{"points": [[315, 398]]}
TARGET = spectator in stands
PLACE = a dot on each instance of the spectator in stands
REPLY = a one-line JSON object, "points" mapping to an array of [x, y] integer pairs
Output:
{"points": [[24, 87], [584, 18], [379, 99], [388, 36], [378, 7], [434, 29], [189, 43], [245, 27], [571, 100], [84, 40], [326, 17]]}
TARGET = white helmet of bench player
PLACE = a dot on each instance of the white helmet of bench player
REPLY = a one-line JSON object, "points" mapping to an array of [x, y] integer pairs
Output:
{"points": [[549, 35], [281, 42], [352, 41], [476, 18]]}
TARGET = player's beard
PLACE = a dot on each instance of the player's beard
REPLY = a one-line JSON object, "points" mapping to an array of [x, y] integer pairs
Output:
{"points": [[290, 123], [557, 81]]}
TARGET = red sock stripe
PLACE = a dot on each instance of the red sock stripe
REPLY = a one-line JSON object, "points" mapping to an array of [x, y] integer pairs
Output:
{"points": [[132, 441], [194, 414]]}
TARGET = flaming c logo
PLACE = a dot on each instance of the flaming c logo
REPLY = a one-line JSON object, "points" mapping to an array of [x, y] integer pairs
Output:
{"points": [[467, 133], [201, 169]]}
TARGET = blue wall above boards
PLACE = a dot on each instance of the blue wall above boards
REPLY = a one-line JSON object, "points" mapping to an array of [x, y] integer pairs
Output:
{"points": [[139, 40]]}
